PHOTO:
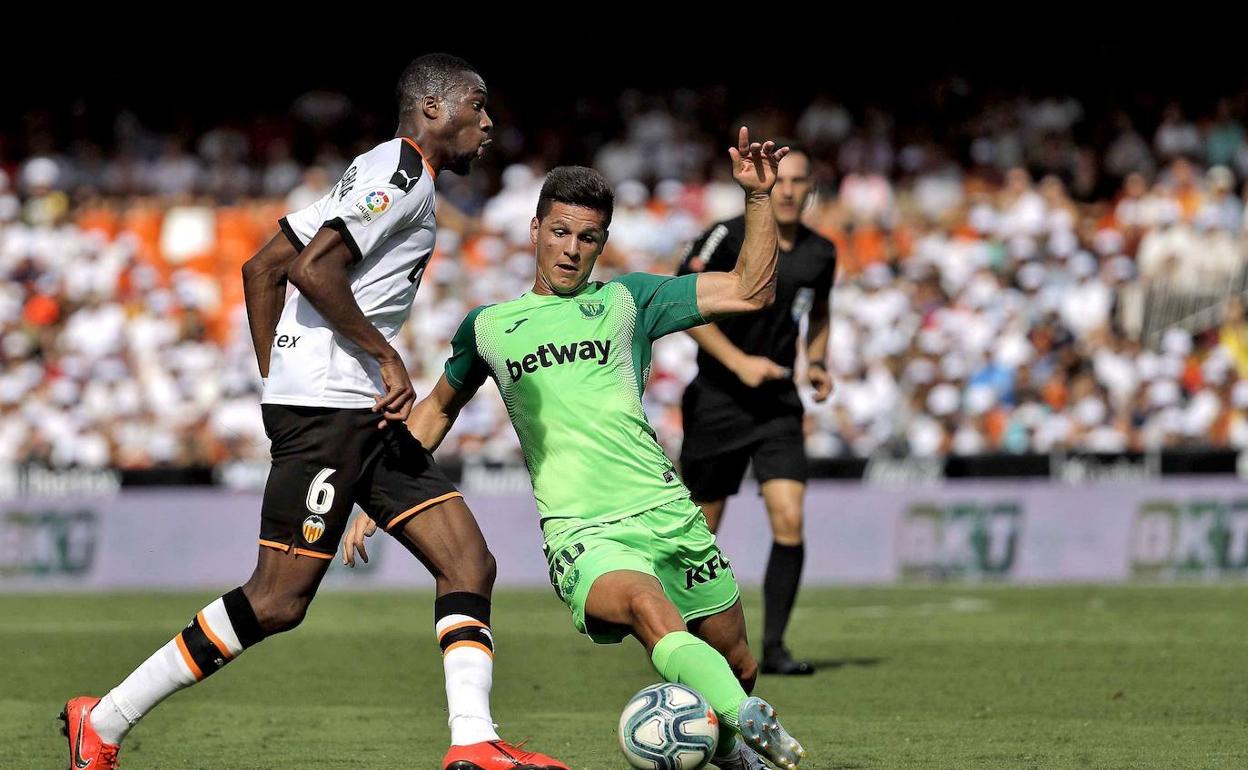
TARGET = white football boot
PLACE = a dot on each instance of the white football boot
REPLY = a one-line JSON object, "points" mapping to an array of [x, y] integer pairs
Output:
{"points": [[762, 731]]}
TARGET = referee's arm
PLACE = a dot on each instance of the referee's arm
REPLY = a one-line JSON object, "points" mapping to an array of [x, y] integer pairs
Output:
{"points": [[817, 333], [715, 251], [818, 329]]}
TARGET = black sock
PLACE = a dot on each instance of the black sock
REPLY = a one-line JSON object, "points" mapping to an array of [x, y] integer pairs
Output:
{"points": [[784, 572]]}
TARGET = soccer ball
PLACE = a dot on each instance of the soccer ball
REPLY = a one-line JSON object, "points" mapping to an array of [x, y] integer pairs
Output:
{"points": [[668, 727]]}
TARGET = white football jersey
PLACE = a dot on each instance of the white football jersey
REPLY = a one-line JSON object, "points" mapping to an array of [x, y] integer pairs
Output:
{"points": [[383, 208]]}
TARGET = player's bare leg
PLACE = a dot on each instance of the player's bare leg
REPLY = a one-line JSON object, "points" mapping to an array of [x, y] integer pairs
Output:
{"points": [[637, 600], [761, 731], [784, 501], [447, 540], [726, 632], [282, 587], [274, 599], [713, 510]]}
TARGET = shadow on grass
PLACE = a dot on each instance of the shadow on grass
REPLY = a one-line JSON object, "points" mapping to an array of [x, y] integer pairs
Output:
{"points": [[835, 663]]}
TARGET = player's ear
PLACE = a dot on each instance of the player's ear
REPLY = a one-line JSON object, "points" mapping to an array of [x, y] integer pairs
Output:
{"points": [[431, 106], [534, 225]]}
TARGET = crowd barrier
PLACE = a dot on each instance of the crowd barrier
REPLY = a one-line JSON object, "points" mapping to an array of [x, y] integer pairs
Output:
{"points": [[1018, 531]]}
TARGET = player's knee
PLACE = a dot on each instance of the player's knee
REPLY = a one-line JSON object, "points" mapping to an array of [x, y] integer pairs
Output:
{"points": [[279, 613], [786, 524], [473, 572], [651, 610], [489, 569]]}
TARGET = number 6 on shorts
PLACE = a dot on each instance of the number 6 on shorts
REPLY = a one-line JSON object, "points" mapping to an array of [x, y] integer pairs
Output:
{"points": [[320, 493]]}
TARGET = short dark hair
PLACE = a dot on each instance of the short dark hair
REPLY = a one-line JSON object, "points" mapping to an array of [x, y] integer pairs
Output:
{"points": [[576, 186], [434, 74], [795, 148]]}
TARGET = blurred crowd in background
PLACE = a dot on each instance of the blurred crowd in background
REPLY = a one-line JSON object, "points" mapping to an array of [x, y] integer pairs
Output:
{"points": [[996, 276]]}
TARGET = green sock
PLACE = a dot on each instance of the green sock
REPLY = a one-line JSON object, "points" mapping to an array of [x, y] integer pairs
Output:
{"points": [[683, 658]]}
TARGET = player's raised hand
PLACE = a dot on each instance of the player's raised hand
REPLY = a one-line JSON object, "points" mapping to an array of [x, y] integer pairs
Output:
{"points": [[396, 403], [755, 165], [361, 527]]}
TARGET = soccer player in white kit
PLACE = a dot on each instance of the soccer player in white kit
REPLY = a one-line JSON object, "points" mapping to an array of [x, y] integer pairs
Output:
{"points": [[336, 395]]}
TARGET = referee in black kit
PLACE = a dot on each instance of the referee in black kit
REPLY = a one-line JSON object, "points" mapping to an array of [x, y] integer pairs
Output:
{"points": [[743, 405]]}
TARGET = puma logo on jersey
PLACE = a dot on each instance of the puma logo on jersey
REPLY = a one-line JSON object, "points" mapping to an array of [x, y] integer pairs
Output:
{"points": [[550, 354], [405, 181], [515, 326]]}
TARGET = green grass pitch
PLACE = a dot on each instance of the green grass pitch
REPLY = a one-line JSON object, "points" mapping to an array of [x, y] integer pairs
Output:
{"points": [[949, 677]]}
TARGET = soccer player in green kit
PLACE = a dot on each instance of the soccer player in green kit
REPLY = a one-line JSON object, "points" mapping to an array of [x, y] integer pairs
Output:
{"points": [[629, 553]]}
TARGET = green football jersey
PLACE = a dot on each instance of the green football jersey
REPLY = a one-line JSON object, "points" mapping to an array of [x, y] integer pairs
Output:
{"points": [[571, 371]]}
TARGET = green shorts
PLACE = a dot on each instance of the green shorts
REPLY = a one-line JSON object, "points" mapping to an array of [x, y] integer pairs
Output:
{"points": [[670, 542]]}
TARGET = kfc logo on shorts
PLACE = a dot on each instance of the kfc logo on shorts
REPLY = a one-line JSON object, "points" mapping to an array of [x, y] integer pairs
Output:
{"points": [[313, 528]]}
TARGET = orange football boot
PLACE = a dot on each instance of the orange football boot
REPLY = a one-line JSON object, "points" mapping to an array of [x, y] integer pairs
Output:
{"points": [[86, 750], [497, 755]]}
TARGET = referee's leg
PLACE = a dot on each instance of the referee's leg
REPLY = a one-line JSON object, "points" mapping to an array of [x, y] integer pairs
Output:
{"points": [[780, 465], [713, 479], [784, 501], [713, 510]]}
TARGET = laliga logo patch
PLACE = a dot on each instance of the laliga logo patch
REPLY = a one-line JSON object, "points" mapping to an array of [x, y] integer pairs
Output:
{"points": [[372, 205], [313, 528]]}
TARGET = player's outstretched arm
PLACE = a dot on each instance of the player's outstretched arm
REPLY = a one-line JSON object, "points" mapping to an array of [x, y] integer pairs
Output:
{"points": [[433, 417], [751, 284], [430, 421], [320, 274], [264, 290]]}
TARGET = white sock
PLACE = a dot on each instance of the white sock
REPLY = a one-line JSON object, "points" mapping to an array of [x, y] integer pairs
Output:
{"points": [[210, 638], [469, 667]]}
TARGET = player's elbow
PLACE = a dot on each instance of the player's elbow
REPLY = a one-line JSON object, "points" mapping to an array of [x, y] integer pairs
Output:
{"points": [[767, 297], [270, 263], [263, 268], [758, 297], [302, 274]]}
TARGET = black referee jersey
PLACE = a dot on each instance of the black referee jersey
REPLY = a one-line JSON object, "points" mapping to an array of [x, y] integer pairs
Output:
{"points": [[721, 412]]}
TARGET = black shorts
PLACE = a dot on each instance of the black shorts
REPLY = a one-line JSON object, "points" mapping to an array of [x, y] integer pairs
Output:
{"points": [[325, 461], [776, 455]]}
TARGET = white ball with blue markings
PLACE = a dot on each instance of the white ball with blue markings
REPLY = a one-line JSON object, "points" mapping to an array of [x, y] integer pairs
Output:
{"points": [[668, 727]]}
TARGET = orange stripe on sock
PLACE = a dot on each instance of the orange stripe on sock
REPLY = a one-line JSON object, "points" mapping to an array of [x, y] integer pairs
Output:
{"points": [[216, 641], [478, 645], [186, 656], [410, 512], [457, 626]]}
